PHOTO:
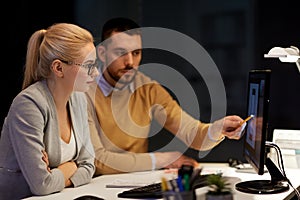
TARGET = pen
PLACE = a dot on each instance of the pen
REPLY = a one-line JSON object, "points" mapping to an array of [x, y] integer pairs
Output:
{"points": [[247, 119], [186, 179], [174, 185], [179, 183]]}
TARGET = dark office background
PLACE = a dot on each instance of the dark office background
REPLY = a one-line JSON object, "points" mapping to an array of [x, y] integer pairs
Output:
{"points": [[235, 33]]}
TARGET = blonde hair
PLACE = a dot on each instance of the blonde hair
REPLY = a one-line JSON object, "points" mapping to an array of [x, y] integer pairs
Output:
{"points": [[60, 41]]}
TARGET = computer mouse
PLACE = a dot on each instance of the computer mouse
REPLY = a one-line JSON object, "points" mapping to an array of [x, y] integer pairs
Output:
{"points": [[88, 197]]}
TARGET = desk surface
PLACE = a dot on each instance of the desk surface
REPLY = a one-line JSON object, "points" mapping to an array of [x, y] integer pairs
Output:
{"points": [[98, 185]]}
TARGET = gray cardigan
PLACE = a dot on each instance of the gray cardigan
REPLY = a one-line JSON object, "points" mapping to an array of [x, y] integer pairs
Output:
{"points": [[30, 127]]}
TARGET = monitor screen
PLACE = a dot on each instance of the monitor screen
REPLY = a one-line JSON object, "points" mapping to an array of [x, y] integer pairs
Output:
{"points": [[254, 150]]}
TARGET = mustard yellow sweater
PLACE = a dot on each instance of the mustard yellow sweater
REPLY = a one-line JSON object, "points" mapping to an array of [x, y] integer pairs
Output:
{"points": [[120, 124]]}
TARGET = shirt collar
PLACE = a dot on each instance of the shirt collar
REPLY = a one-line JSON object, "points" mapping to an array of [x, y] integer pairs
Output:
{"points": [[107, 88]]}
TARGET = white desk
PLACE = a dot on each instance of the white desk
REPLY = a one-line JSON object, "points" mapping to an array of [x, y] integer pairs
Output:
{"points": [[292, 174], [98, 185]]}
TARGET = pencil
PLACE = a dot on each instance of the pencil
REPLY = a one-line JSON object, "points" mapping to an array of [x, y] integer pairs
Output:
{"points": [[247, 119], [164, 185]]}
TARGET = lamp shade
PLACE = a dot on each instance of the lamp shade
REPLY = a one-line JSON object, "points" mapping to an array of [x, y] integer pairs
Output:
{"points": [[290, 54]]}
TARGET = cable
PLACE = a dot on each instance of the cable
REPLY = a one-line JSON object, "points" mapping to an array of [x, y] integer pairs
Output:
{"points": [[279, 155], [281, 165]]}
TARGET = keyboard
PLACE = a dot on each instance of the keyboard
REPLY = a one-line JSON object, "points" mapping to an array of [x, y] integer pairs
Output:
{"points": [[154, 190], [149, 191]]}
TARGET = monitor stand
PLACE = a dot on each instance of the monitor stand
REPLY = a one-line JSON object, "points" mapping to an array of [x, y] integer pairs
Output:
{"points": [[277, 184]]}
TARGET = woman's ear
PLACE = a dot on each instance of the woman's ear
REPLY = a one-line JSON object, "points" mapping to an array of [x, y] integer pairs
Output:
{"points": [[57, 68], [101, 52]]}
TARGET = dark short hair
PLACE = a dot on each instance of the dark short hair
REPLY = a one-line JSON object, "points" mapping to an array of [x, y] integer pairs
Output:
{"points": [[118, 24]]}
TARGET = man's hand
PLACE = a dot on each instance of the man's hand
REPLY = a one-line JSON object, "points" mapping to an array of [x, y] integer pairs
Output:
{"points": [[229, 126]]}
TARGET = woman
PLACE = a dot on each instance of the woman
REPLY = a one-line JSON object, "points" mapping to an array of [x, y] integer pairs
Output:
{"points": [[45, 141]]}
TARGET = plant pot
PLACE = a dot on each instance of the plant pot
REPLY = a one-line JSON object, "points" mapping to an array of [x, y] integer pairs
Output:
{"points": [[227, 196]]}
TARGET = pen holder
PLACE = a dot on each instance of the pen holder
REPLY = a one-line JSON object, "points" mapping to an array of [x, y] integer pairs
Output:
{"points": [[184, 195]]}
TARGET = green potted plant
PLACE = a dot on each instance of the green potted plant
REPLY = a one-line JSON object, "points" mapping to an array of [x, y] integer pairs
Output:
{"points": [[219, 188]]}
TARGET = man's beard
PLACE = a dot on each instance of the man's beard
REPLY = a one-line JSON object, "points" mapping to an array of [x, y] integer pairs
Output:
{"points": [[123, 80]]}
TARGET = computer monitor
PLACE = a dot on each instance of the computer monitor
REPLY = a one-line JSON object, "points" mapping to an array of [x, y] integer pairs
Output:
{"points": [[254, 150]]}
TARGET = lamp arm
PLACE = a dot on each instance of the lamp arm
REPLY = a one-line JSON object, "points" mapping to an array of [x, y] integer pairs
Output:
{"points": [[298, 64]]}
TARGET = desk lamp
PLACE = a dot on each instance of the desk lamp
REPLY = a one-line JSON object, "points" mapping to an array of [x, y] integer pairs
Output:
{"points": [[290, 54]]}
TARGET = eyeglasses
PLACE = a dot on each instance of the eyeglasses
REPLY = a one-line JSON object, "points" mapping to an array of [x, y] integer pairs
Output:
{"points": [[90, 66]]}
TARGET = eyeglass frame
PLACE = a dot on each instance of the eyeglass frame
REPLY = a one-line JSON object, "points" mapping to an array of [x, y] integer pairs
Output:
{"points": [[90, 67]]}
